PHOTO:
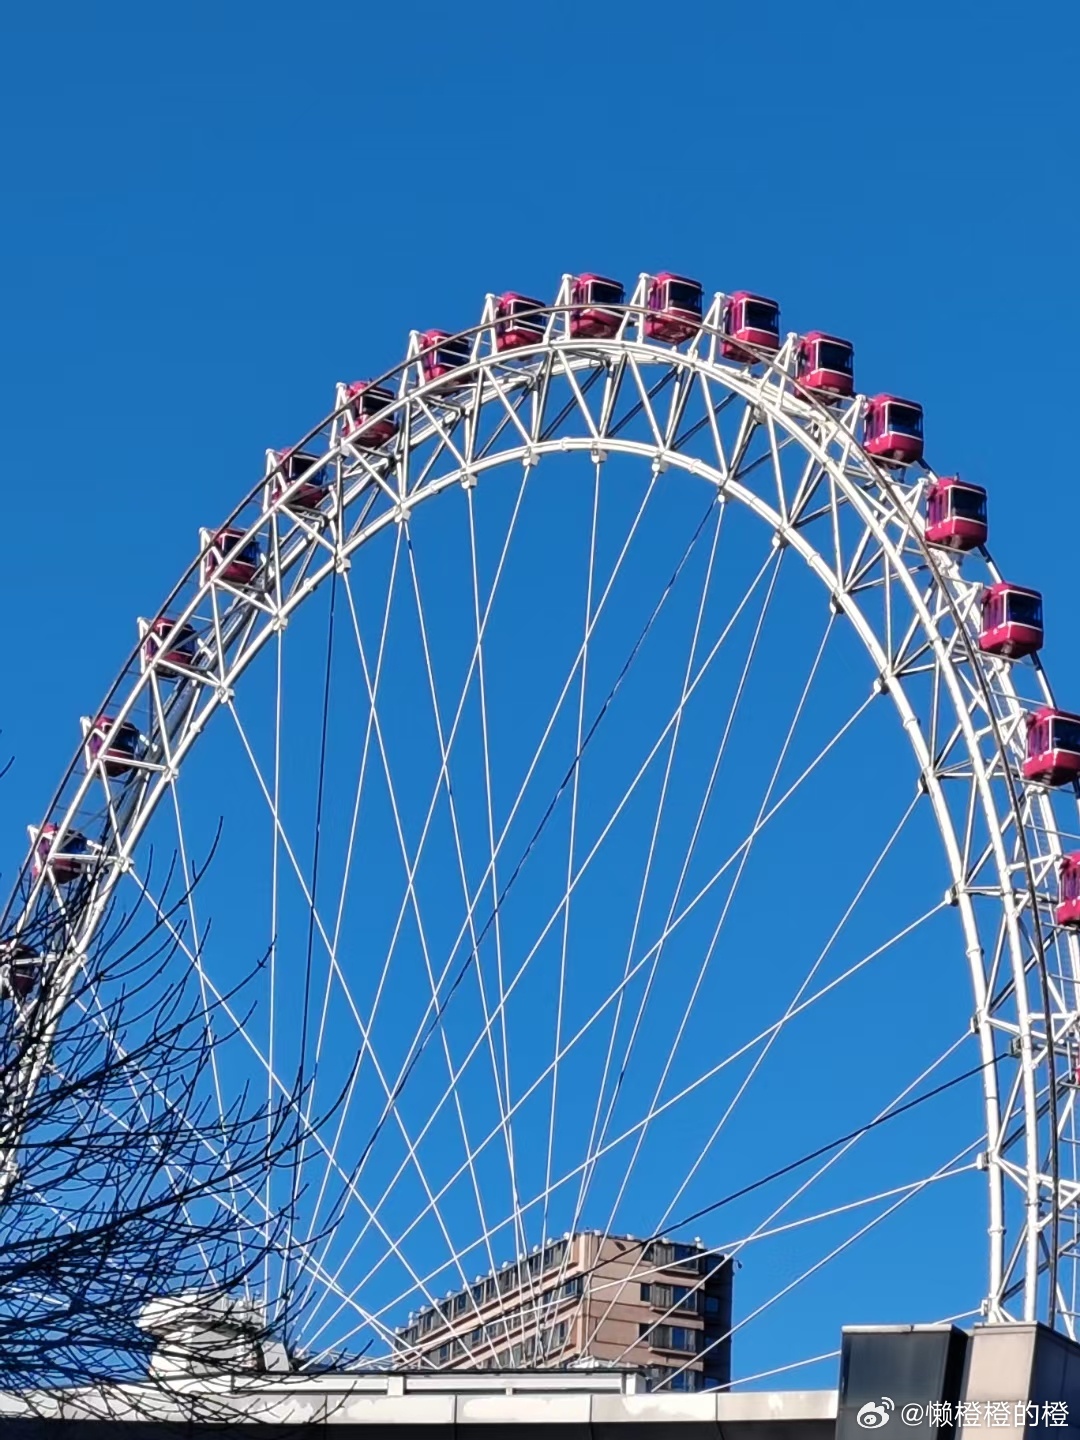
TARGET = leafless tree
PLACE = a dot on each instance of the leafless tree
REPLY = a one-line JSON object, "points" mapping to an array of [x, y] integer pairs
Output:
{"points": [[121, 1182]]}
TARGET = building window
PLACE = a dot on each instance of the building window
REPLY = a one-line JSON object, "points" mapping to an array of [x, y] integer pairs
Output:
{"points": [[669, 1337], [671, 1297], [460, 1301], [664, 1253], [554, 1254], [442, 1354], [668, 1377]]}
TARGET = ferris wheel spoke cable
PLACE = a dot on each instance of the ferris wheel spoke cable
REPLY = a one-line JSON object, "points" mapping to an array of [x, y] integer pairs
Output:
{"points": [[572, 837], [485, 879], [728, 899], [746, 1048], [627, 795], [379, 736], [570, 850], [501, 1084], [365, 1030], [799, 994], [405, 857], [843, 1143], [831, 1255], [290, 1099], [272, 950], [962, 1166], [193, 1182], [867, 531], [635, 928], [643, 962], [417, 1049], [303, 1129], [189, 897], [444, 775], [832, 1153]]}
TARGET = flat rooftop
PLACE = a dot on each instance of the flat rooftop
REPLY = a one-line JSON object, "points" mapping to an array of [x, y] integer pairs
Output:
{"points": [[583, 1403]]}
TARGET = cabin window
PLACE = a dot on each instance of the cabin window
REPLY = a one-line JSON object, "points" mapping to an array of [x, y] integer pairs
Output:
{"points": [[453, 352], [604, 292], [759, 316], [1025, 609], [831, 356], [906, 419], [968, 504], [681, 296], [1066, 735]]}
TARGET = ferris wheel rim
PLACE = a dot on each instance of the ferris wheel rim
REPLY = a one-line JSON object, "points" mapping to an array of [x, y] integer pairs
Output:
{"points": [[645, 352]]}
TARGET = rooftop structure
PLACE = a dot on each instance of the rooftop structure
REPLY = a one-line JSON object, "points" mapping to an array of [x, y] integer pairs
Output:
{"points": [[660, 1307]]}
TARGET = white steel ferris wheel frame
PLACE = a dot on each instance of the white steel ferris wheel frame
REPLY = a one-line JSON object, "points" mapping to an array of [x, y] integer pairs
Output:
{"points": [[855, 522]]}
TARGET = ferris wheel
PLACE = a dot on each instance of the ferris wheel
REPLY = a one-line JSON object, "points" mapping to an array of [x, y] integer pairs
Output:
{"points": [[639, 792]]}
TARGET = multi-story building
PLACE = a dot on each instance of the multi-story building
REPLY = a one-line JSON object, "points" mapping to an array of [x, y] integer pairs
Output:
{"points": [[658, 1306]]}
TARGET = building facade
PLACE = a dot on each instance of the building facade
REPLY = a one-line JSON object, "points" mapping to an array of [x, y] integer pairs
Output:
{"points": [[588, 1299]]}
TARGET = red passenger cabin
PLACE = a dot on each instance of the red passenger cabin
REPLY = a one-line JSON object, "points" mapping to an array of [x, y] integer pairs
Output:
{"points": [[20, 967], [893, 430], [1068, 908], [117, 751], [364, 405], [674, 307], [1012, 623], [595, 295], [227, 557], [1053, 747], [284, 468], [442, 354], [517, 322], [826, 365], [65, 859], [750, 320], [169, 646], [955, 514]]}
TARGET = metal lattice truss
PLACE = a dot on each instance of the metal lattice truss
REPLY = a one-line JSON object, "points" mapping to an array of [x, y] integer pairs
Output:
{"points": [[757, 439]]}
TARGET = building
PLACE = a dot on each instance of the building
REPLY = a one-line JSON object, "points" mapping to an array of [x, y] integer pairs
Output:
{"points": [[660, 1307]]}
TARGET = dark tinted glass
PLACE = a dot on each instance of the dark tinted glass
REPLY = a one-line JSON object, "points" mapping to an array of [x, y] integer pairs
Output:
{"points": [[374, 399], [453, 352], [1065, 735], [759, 316], [905, 418], [605, 292], [681, 296], [1024, 609], [834, 357], [967, 504]]}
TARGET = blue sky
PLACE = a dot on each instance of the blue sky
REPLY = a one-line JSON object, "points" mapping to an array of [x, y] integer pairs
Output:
{"points": [[215, 213]]}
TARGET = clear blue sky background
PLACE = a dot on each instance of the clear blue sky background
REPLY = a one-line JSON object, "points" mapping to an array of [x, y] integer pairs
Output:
{"points": [[212, 213]]}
